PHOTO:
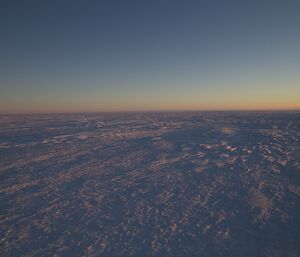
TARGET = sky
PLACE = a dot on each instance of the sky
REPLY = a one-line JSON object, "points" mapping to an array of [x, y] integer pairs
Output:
{"points": [[144, 55]]}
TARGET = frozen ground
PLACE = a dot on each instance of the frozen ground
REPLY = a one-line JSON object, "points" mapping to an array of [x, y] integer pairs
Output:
{"points": [[150, 184]]}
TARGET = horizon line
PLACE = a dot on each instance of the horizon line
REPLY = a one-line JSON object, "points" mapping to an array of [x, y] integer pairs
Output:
{"points": [[154, 111]]}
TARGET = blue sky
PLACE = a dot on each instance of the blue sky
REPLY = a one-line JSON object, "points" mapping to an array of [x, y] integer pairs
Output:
{"points": [[65, 56]]}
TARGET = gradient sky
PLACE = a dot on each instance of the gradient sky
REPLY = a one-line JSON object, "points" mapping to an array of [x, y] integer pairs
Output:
{"points": [[72, 56]]}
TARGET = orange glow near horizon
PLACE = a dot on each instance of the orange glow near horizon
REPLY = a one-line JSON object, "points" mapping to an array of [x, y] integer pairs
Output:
{"points": [[121, 107]]}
